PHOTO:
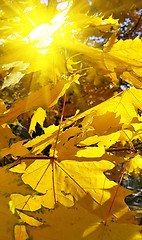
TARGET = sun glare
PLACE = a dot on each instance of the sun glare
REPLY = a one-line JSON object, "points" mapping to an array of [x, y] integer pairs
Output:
{"points": [[42, 36]]}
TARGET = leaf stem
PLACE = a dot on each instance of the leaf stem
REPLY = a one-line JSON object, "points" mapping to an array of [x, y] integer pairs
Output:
{"points": [[35, 157], [61, 119], [115, 194], [72, 56], [83, 69], [5, 76], [53, 180], [113, 149]]}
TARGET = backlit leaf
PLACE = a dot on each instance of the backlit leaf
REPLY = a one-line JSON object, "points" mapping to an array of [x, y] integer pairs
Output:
{"points": [[38, 117], [63, 182], [46, 96], [9, 183], [91, 152], [128, 77], [40, 142], [103, 24], [113, 231], [123, 54], [30, 220], [125, 105], [12, 79], [108, 140], [76, 219], [134, 164], [70, 184], [20, 168]]}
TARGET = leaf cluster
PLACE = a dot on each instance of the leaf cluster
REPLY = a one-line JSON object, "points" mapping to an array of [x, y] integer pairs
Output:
{"points": [[65, 175]]}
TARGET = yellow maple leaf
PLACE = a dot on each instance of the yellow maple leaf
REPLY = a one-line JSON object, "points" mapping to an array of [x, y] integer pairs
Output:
{"points": [[84, 21], [122, 108], [133, 80], [134, 164], [20, 232], [91, 152], [12, 79], [38, 117], [6, 134], [16, 149], [116, 6], [30, 220], [76, 219], [20, 168], [123, 54], [63, 182], [113, 231], [41, 142], [104, 24], [16, 74], [9, 183], [108, 140], [36, 99]]}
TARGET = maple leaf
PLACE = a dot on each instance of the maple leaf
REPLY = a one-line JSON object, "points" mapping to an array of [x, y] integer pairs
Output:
{"points": [[77, 46], [20, 232], [15, 75], [123, 52], [2, 106], [83, 21], [16, 149], [30, 220], [38, 117], [113, 231], [122, 108], [9, 183], [91, 152], [37, 99], [76, 219], [109, 59], [64, 181], [115, 6], [12, 79], [6, 134], [71, 175], [41, 142], [133, 80], [134, 164], [108, 140], [55, 174]]}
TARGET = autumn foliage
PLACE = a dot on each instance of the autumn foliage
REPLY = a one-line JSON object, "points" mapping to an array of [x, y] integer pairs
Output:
{"points": [[76, 103]]}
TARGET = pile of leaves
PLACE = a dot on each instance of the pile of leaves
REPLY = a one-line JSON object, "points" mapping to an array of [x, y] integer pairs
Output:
{"points": [[70, 122]]}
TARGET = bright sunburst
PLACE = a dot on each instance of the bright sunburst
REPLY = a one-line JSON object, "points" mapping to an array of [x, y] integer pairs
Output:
{"points": [[42, 36]]}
